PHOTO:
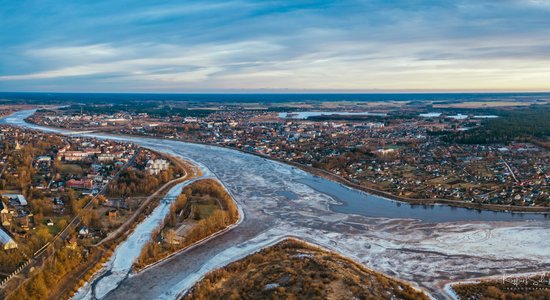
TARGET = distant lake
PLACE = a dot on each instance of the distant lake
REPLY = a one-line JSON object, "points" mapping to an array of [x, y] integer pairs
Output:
{"points": [[430, 115], [486, 117], [457, 116], [462, 117], [306, 114]]}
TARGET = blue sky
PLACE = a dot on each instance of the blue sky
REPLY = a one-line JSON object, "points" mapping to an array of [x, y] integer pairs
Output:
{"points": [[216, 46]]}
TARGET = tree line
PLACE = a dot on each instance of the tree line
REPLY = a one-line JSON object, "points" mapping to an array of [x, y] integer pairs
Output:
{"points": [[221, 218], [133, 182], [39, 285], [525, 124]]}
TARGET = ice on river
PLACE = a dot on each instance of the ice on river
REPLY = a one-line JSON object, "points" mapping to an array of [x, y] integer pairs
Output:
{"points": [[428, 251], [119, 265]]}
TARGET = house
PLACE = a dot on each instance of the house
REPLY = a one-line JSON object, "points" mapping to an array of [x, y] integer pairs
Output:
{"points": [[74, 155], [25, 221], [72, 243], [44, 159], [6, 240], [154, 167], [49, 222], [58, 201], [105, 157], [5, 214], [83, 231], [16, 199], [85, 183], [113, 213]]}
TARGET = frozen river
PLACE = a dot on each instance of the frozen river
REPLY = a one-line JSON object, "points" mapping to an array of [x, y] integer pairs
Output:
{"points": [[427, 245]]}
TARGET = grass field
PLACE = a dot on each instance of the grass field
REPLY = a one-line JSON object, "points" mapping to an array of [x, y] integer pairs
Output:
{"points": [[292, 269]]}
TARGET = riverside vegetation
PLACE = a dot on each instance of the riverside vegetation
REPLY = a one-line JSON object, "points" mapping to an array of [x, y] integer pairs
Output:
{"points": [[516, 288], [293, 269], [73, 258], [203, 208]]}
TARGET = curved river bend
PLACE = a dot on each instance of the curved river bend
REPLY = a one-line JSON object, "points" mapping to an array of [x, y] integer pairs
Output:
{"points": [[350, 201], [428, 245]]}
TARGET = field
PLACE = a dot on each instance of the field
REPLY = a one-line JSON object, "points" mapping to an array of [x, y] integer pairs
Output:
{"points": [[292, 269]]}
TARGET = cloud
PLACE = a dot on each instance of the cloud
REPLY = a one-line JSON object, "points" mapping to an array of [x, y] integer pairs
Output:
{"points": [[124, 45]]}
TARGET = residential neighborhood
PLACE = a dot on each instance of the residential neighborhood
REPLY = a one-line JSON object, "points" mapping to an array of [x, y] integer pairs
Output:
{"points": [[405, 155]]}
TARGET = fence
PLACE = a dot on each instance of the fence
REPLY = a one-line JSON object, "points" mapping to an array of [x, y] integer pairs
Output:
{"points": [[14, 273]]}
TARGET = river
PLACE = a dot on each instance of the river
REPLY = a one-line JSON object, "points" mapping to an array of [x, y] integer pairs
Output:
{"points": [[427, 245]]}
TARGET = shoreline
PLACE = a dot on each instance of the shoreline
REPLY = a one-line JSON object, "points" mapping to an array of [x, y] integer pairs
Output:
{"points": [[103, 268], [449, 286], [239, 220], [314, 247], [186, 281], [336, 178]]}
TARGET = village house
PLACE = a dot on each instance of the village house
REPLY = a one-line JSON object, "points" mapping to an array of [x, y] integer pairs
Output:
{"points": [[16, 199], [6, 240], [154, 167], [85, 183], [5, 214]]}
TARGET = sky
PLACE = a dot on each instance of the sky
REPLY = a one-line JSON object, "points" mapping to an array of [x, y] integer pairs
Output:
{"points": [[274, 46]]}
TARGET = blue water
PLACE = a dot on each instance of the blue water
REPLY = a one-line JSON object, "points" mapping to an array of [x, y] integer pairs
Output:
{"points": [[354, 201], [361, 203], [45, 98], [307, 114]]}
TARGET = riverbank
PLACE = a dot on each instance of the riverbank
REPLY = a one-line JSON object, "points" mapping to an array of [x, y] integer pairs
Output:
{"points": [[190, 172], [454, 203], [294, 268], [371, 190], [101, 252], [333, 177], [204, 208], [393, 244]]}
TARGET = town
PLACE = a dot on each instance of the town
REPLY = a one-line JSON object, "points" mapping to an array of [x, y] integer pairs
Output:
{"points": [[252, 149], [405, 155], [71, 191]]}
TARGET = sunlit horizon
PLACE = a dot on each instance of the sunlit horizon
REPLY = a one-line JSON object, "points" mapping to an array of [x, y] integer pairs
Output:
{"points": [[275, 47]]}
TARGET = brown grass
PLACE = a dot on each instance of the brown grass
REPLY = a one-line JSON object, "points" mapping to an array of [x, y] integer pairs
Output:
{"points": [[293, 269], [535, 287]]}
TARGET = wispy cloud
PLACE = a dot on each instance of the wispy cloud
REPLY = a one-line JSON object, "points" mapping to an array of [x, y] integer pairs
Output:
{"points": [[124, 45]]}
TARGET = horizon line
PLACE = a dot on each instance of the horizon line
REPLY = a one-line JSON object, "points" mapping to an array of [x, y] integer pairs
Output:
{"points": [[289, 91]]}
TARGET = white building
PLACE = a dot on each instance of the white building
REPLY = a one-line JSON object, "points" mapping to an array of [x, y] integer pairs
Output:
{"points": [[6, 240], [156, 166], [17, 198]]}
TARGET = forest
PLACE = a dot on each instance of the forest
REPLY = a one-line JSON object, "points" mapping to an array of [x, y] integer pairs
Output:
{"points": [[531, 123], [39, 285], [151, 108], [135, 182]]}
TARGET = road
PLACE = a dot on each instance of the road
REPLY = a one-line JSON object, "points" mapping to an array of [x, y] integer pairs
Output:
{"points": [[49, 248], [427, 253], [509, 169]]}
